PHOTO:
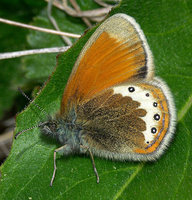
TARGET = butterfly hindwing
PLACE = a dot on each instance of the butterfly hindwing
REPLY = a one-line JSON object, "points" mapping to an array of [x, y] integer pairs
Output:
{"points": [[129, 121]]}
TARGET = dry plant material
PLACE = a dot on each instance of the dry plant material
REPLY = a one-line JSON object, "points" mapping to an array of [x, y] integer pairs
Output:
{"points": [[54, 23], [78, 9], [95, 15], [36, 28]]}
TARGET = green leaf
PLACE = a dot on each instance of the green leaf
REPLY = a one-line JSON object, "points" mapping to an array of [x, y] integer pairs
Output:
{"points": [[27, 171]]}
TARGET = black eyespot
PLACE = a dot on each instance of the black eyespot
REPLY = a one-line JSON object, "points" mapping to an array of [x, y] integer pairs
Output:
{"points": [[155, 104], [131, 89], [147, 94], [153, 130], [147, 142], [156, 117]]}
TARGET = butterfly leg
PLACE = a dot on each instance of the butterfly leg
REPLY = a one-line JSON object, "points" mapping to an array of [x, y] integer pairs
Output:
{"points": [[93, 162], [59, 150]]}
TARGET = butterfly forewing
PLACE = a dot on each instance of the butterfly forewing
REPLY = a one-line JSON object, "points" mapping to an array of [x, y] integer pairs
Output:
{"points": [[110, 57]]}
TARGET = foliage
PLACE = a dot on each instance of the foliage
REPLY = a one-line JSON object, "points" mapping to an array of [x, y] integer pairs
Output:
{"points": [[28, 169]]}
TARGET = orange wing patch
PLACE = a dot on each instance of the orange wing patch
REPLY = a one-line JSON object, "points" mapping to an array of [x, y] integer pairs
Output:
{"points": [[106, 63]]}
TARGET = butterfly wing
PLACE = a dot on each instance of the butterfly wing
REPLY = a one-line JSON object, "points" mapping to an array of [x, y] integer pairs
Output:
{"points": [[130, 121], [117, 52]]}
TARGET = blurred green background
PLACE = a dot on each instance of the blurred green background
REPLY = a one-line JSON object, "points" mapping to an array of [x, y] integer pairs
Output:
{"points": [[12, 71]]}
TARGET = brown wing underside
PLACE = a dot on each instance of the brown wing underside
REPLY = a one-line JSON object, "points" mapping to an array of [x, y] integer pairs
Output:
{"points": [[112, 122]]}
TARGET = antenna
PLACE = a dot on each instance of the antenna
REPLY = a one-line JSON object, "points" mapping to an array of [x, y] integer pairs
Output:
{"points": [[28, 129], [37, 106], [41, 109], [20, 132]]}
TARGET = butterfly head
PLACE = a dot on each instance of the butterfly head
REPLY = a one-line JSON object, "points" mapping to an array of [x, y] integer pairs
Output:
{"points": [[65, 130], [49, 127]]}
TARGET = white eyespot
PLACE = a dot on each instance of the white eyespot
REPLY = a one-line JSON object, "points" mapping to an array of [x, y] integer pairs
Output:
{"points": [[153, 130], [131, 89], [155, 104], [156, 117]]}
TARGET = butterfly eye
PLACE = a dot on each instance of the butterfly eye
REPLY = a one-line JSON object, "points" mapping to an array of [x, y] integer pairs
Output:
{"points": [[53, 125]]}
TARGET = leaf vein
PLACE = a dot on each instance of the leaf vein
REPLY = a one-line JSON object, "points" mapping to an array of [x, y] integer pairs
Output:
{"points": [[185, 165], [129, 180], [185, 109]]}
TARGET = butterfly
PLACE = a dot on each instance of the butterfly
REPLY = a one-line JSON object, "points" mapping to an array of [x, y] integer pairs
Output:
{"points": [[113, 106]]}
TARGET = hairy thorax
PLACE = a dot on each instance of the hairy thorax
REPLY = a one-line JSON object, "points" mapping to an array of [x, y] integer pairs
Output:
{"points": [[65, 130]]}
